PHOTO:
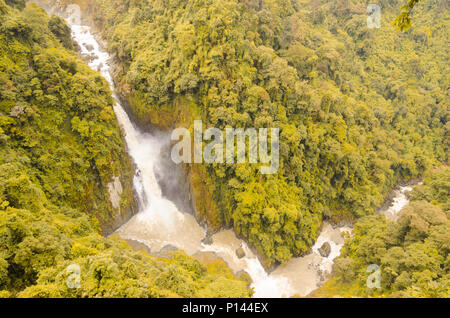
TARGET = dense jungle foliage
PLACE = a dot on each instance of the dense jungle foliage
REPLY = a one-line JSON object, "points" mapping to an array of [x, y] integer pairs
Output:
{"points": [[412, 253], [60, 145], [359, 109]]}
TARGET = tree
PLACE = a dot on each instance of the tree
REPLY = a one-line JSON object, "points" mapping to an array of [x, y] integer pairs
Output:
{"points": [[403, 21]]}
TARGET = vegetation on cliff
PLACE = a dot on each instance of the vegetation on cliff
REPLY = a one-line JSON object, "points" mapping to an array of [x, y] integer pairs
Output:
{"points": [[358, 108], [60, 145]]}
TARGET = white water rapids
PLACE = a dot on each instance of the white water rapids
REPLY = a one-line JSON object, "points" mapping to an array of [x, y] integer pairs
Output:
{"points": [[160, 223]]}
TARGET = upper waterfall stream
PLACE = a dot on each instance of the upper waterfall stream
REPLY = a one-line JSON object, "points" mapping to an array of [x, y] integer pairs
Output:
{"points": [[160, 223]]}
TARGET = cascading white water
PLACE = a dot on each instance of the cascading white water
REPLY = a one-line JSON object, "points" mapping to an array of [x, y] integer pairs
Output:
{"points": [[160, 223]]}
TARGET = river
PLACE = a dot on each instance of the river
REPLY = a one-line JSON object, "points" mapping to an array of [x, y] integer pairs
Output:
{"points": [[160, 222]]}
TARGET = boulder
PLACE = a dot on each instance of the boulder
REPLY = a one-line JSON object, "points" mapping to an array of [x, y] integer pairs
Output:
{"points": [[207, 257], [115, 192], [240, 253], [325, 250], [89, 47]]}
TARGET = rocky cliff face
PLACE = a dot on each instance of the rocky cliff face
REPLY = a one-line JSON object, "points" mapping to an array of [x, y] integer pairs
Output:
{"points": [[122, 211]]}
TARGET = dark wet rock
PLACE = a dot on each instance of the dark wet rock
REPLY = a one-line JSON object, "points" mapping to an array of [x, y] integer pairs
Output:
{"points": [[240, 253], [174, 182], [89, 47], [208, 240], [325, 250], [88, 58], [76, 46], [321, 275], [245, 276], [166, 250]]}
